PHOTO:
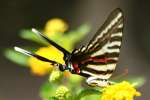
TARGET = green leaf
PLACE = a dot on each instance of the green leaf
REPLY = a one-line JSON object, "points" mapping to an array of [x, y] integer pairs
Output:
{"points": [[75, 79], [76, 35], [52, 98], [68, 40], [29, 35], [137, 81], [87, 92], [47, 90], [16, 57]]}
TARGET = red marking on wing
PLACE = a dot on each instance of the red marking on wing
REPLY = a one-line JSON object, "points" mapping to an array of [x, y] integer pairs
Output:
{"points": [[76, 68], [103, 60], [94, 59]]}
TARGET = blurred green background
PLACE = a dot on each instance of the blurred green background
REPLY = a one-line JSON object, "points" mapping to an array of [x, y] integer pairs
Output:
{"points": [[18, 84]]}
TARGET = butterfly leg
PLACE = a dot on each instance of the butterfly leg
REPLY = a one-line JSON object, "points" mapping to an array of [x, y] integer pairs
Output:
{"points": [[95, 81]]}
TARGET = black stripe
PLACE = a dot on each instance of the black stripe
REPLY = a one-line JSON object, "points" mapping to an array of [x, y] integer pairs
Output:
{"points": [[117, 30], [84, 74], [95, 63], [108, 55], [101, 63], [114, 47], [116, 38], [111, 55], [101, 56], [101, 43]]}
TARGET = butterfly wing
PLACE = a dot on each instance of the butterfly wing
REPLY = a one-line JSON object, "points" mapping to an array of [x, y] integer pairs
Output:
{"points": [[100, 56], [64, 51]]}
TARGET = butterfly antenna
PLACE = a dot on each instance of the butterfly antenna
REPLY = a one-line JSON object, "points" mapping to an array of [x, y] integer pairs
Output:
{"points": [[50, 41], [34, 55]]}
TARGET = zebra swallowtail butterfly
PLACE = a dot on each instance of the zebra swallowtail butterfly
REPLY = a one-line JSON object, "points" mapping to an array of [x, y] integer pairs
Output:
{"points": [[97, 60]]}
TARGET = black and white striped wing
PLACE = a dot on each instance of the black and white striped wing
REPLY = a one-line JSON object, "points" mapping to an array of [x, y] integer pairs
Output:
{"points": [[113, 26], [100, 56]]}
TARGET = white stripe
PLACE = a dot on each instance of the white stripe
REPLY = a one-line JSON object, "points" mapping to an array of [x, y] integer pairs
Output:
{"points": [[76, 51], [96, 81], [90, 45], [100, 83], [102, 67], [113, 50], [120, 26], [22, 51], [101, 51], [115, 43], [109, 26], [114, 58], [83, 49], [117, 34], [105, 48], [97, 75]]}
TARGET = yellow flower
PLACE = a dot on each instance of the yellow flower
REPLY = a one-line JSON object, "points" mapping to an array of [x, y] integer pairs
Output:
{"points": [[120, 91], [62, 92], [55, 25], [41, 68]]}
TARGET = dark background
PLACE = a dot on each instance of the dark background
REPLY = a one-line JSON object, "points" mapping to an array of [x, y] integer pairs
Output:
{"points": [[17, 83]]}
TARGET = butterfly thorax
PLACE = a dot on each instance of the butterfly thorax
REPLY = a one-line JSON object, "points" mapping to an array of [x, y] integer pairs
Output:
{"points": [[73, 68], [76, 68]]}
